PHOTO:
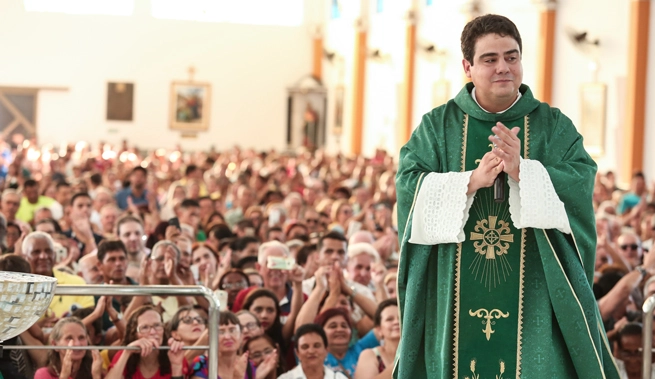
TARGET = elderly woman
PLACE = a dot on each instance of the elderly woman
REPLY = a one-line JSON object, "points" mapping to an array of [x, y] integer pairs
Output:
{"points": [[145, 330], [311, 348], [250, 325], [74, 364]]}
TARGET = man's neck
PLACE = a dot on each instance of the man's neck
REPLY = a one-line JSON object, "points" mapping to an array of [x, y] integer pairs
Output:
{"points": [[137, 192], [134, 256], [280, 292], [495, 108]]}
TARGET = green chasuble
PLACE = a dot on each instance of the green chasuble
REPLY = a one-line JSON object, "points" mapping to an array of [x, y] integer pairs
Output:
{"points": [[505, 302]]}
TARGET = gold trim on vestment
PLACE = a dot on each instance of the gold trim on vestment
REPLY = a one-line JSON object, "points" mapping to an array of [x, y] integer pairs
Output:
{"points": [[400, 257], [458, 262], [552, 250]]}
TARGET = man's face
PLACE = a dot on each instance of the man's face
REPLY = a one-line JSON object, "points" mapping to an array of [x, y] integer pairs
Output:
{"points": [[45, 227], [137, 180], [630, 248], [190, 216], [247, 198], [89, 270], [273, 278], [81, 208], [159, 258], [496, 70], [185, 252], [131, 234], [206, 208], [638, 185], [359, 269], [251, 250], [63, 195], [32, 194], [102, 199], [332, 251], [108, 218], [629, 353], [41, 256], [276, 235], [113, 266], [10, 204], [42, 214]]}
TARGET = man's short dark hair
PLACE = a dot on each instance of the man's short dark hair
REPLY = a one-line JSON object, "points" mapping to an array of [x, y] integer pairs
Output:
{"points": [[62, 184], [273, 229], [483, 25], [240, 244], [15, 263], [205, 198], [51, 221], [245, 223], [79, 195], [190, 169], [106, 246], [220, 231], [331, 236], [189, 203], [308, 329], [304, 253], [139, 168], [30, 183], [629, 329], [96, 179]]}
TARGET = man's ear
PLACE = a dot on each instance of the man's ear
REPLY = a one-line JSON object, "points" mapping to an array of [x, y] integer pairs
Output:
{"points": [[467, 68]]}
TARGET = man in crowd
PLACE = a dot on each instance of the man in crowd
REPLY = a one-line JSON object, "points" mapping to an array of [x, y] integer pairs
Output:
{"points": [[189, 214], [38, 249], [136, 192], [130, 232], [31, 201], [112, 258], [81, 230], [87, 268]]}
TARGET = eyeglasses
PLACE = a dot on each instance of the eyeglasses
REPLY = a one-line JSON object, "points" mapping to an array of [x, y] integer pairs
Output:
{"points": [[189, 320], [233, 331], [147, 328], [234, 286], [631, 353], [632, 246], [261, 354], [311, 220], [250, 326]]}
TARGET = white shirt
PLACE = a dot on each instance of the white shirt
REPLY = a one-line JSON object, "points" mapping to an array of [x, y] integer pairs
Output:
{"points": [[298, 373], [623, 374]]}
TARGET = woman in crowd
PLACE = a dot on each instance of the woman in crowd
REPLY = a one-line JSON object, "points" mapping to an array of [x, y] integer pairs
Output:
{"points": [[230, 364], [387, 325], [206, 259], [74, 364], [342, 358], [259, 349], [145, 330], [311, 348], [250, 325], [233, 281], [265, 306], [189, 326]]}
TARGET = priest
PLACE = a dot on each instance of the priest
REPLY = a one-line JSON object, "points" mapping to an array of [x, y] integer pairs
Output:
{"points": [[496, 282]]}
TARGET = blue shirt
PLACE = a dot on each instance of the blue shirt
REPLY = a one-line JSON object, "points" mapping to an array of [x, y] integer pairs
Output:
{"points": [[348, 364], [122, 195]]}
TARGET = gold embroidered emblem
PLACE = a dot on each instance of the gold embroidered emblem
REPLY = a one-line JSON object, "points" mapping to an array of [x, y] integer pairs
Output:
{"points": [[475, 375], [492, 238], [488, 317]]}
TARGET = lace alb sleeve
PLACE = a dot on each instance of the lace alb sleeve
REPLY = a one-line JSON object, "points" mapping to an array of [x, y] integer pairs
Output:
{"points": [[533, 201], [441, 209]]}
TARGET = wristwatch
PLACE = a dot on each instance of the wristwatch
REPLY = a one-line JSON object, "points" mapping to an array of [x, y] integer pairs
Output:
{"points": [[641, 270], [117, 319]]}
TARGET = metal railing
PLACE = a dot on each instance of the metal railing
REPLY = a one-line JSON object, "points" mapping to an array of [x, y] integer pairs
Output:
{"points": [[648, 307], [110, 290]]}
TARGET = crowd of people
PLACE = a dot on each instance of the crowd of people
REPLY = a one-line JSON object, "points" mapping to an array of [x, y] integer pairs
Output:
{"points": [[302, 247]]}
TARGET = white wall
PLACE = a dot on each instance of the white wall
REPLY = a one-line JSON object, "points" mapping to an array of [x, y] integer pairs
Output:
{"points": [[249, 68]]}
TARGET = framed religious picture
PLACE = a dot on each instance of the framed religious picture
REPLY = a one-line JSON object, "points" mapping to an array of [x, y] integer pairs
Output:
{"points": [[190, 104], [593, 108], [120, 101]]}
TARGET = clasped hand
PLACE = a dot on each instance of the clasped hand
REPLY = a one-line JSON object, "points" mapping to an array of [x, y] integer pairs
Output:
{"points": [[504, 157]]}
